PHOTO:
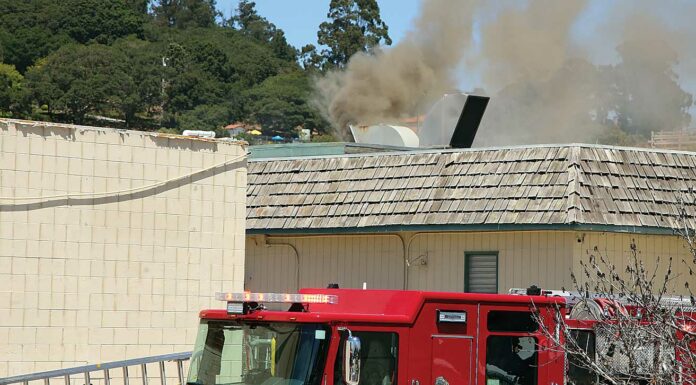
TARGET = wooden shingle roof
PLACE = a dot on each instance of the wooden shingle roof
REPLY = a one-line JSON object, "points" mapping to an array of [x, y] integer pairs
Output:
{"points": [[540, 185]]}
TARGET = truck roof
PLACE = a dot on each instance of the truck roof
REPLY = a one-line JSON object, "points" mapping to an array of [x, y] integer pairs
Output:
{"points": [[379, 306]]}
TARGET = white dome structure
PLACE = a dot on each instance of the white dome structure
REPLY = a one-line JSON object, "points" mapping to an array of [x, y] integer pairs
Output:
{"points": [[386, 135]]}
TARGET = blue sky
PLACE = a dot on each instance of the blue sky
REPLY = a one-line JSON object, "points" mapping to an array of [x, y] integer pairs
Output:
{"points": [[300, 19]]}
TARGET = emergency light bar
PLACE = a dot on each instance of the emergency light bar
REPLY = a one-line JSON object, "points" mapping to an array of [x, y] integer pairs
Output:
{"points": [[277, 298]]}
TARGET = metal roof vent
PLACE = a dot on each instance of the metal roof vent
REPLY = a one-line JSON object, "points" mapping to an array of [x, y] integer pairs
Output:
{"points": [[453, 121]]}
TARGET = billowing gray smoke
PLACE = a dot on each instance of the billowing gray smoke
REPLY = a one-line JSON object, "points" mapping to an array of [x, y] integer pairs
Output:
{"points": [[404, 79], [540, 65]]}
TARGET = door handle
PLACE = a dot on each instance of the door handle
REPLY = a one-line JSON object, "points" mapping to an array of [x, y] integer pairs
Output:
{"points": [[415, 382]]}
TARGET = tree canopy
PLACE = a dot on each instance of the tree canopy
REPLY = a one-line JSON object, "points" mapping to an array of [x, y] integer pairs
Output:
{"points": [[279, 103], [151, 64], [78, 79], [184, 14], [353, 26], [13, 95]]}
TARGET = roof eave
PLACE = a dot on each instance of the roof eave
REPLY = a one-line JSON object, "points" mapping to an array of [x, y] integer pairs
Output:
{"points": [[467, 228]]}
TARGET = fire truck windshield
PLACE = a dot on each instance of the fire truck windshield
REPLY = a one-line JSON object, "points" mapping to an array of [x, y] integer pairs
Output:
{"points": [[258, 354]]}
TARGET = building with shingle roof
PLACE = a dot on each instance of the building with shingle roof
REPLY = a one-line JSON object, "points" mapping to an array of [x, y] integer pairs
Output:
{"points": [[475, 219]]}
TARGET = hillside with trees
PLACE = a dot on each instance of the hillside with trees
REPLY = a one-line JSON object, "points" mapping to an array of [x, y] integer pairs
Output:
{"points": [[168, 64]]}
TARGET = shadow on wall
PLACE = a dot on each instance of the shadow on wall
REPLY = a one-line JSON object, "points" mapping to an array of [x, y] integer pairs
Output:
{"points": [[155, 189]]}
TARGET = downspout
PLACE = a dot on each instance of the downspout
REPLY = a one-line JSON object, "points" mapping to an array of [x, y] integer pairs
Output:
{"points": [[405, 259], [267, 243]]}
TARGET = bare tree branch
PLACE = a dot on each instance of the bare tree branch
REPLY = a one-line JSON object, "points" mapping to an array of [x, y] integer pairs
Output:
{"points": [[642, 334]]}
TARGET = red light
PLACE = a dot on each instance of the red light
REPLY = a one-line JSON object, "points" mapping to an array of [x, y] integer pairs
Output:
{"points": [[277, 297]]}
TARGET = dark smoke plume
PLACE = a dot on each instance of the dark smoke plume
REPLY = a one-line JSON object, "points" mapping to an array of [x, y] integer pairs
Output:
{"points": [[402, 80], [545, 82]]}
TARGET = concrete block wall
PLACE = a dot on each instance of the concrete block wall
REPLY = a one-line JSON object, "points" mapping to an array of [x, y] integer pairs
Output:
{"points": [[106, 252]]}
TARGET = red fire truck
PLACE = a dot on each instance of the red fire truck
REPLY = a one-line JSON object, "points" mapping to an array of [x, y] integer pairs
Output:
{"points": [[384, 337]]}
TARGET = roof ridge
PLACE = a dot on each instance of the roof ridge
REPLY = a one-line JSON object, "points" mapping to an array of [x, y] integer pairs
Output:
{"points": [[573, 193]]}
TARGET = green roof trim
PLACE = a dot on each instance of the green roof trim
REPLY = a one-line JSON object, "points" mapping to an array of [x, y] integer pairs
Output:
{"points": [[295, 150], [643, 230], [317, 150]]}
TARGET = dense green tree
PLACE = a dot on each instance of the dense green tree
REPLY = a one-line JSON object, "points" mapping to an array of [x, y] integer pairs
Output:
{"points": [[256, 64], [26, 45], [279, 104], [205, 68], [141, 84], [32, 29], [186, 84], [139, 6], [208, 118], [78, 79], [213, 47], [14, 99], [41, 88], [184, 14], [249, 23], [94, 20], [353, 26], [152, 63], [24, 32], [211, 59]]}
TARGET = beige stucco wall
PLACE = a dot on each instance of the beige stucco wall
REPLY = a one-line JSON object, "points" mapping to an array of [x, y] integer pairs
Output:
{"points": [[654, 251], [96, 278], [272, 263], [524, 258], [437, 260]]}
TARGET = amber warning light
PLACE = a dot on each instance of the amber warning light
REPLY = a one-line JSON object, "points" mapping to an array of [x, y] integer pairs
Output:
{"points": [[277, 298]]}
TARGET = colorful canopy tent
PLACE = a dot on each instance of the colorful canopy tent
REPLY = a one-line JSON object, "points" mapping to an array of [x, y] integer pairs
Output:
{"points": [[255, 132]]}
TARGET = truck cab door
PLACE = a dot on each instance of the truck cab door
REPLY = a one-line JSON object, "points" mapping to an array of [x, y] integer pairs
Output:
{"points": [[452, 360]]}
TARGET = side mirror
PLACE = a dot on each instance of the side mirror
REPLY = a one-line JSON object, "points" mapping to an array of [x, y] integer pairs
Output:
{"points": [[351, 360]]}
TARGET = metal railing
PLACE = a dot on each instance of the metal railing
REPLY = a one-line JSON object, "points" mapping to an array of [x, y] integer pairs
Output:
{"points": [[85, 372]]}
